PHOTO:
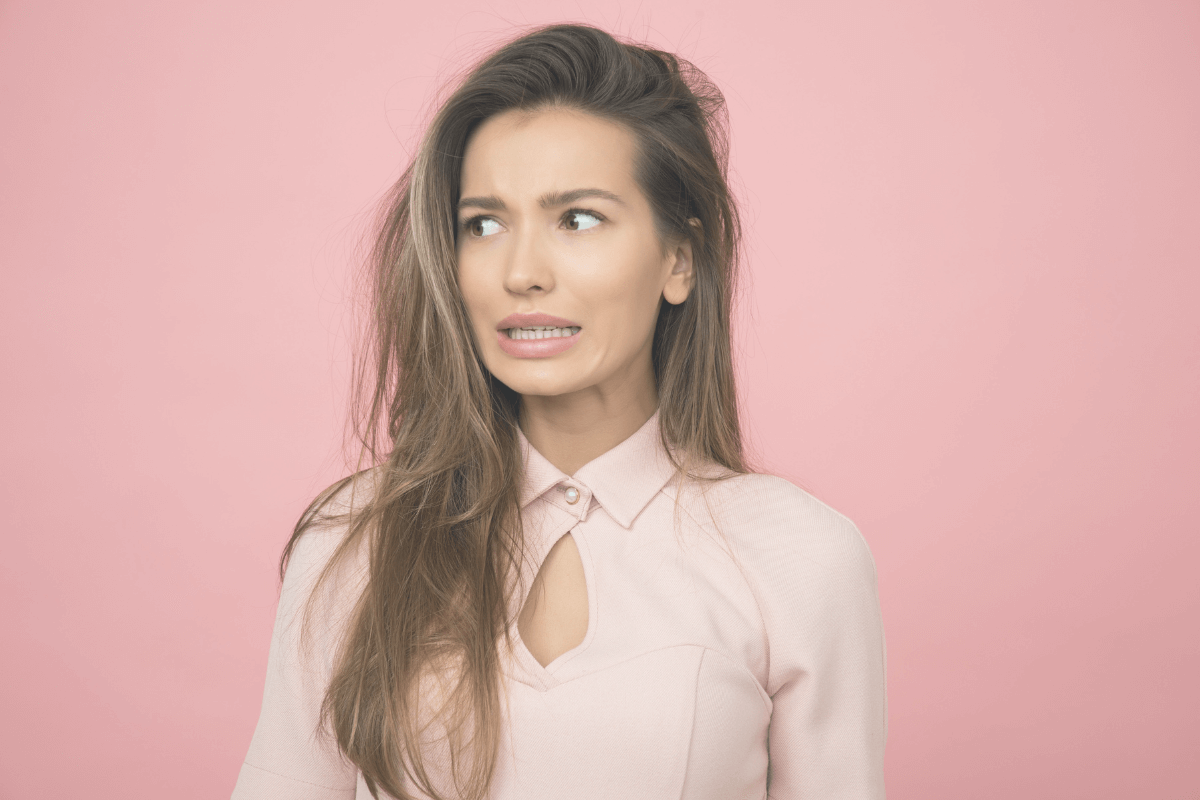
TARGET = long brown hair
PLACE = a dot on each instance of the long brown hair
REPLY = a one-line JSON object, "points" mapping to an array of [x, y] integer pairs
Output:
{"points": [[441, 521]]}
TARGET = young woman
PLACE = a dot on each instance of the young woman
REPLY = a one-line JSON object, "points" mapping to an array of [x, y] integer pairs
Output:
{"points": [[558, 578]]}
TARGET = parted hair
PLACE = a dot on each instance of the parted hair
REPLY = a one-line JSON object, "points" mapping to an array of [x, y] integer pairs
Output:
{"points": [[416, 676]]}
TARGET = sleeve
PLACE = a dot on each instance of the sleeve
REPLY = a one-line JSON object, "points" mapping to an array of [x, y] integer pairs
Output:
{"points": [[815, 581], [288, 757]]}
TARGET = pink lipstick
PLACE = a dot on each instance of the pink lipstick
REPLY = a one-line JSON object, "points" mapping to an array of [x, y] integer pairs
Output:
{"points": [[536, 335]]}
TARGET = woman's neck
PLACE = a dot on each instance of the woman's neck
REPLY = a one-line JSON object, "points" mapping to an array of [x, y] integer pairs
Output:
{"points": [[571, 430]]}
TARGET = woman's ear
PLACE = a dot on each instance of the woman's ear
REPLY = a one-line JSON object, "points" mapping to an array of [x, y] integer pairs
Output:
{"points": [[683, 275]]}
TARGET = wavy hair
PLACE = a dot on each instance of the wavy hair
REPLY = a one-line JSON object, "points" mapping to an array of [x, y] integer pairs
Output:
{"points": [[441, 523]]}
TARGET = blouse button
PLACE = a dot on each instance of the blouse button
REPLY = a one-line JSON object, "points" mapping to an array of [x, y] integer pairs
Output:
{"points": [[572, 495]]}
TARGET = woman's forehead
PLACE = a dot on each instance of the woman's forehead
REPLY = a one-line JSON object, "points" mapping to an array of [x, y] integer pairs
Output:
{"points": [[526, 154]]}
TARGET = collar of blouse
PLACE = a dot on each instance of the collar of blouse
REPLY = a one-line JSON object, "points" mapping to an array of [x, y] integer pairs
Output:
{"points": [[623, 480]]}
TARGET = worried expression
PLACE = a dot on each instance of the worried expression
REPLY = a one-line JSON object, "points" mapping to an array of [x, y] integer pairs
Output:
{"points": [[559, 260]]}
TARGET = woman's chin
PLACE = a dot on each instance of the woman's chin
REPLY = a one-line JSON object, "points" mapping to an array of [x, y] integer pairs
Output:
{"points": [[543, 377], [542, 387]]}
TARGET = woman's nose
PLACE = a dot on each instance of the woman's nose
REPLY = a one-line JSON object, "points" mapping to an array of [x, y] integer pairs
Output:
{"points": [[529, 267]]}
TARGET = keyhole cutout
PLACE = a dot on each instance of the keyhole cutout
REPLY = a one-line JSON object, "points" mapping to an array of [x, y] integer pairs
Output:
{"points": [[554, 618]]}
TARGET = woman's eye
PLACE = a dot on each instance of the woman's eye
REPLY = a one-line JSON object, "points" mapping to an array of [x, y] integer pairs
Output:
{"points": [[581, 220], [482, 226]]}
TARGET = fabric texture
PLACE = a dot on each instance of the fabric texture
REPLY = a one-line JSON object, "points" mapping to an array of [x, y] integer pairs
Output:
{"points": [[734, 648]]}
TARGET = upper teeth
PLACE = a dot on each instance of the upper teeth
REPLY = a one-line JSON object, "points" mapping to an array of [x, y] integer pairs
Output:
{"points": [[540, 332]]}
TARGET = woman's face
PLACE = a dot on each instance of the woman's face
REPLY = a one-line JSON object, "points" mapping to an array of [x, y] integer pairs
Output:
{"points": [[559, 262]]}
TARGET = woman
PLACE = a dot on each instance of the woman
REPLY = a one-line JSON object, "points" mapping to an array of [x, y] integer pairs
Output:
{"points": [[558, 578]]}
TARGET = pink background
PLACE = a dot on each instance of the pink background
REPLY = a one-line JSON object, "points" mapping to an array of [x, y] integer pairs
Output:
{"points": [[974, 233]]}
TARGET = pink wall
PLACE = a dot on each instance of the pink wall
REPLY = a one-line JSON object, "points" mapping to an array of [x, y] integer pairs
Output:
{"points": [[975, 244]]}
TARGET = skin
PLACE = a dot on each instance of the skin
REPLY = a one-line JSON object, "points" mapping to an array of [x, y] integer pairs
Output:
{"points": [[605, 270], [596, 261]]}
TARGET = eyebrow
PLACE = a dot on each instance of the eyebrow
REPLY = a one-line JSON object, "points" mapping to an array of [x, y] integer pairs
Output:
{"points": [[548, 200]]}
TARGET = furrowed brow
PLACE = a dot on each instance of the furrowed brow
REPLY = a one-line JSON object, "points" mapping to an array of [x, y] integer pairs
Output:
{"points": [[554, 199], [549, 200]]}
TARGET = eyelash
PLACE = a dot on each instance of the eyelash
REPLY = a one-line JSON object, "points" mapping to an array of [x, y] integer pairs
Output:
{"points": [[465, 227]]}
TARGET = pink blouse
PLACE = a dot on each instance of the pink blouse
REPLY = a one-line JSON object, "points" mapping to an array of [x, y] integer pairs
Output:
{"points": [[734, 649]]}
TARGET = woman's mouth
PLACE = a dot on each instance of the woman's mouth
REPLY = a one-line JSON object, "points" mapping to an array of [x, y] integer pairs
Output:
{"points": [[540, 341]]}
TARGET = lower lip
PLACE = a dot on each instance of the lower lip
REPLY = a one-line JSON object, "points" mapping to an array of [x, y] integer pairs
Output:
{"points": [[535, 348]]}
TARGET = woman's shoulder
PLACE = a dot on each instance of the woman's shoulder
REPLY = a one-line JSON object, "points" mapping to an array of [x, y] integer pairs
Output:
{"points": [[768, 518], [349, 495], [327, 524], [331, 511], [767, 497]]}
